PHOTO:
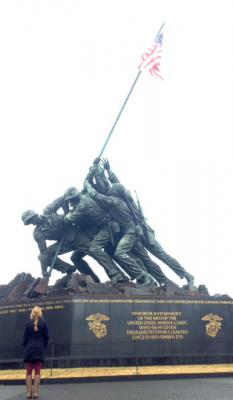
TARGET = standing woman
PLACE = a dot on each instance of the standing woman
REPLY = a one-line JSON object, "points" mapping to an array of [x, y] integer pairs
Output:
{"points": [[35, 340]]}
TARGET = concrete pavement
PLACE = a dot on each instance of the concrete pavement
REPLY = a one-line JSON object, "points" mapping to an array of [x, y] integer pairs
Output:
{"points": [[166, 389]]}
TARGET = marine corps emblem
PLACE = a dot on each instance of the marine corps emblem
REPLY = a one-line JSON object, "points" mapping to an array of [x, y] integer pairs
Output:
{"points": [[95, 324], [214, 325]]}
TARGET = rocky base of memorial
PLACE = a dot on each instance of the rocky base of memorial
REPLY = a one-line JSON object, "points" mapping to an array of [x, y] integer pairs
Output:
{"points": [[114, 325], [24, 286]]}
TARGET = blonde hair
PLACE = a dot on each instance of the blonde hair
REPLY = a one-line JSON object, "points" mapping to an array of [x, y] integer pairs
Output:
{"points": [[36, 313]]}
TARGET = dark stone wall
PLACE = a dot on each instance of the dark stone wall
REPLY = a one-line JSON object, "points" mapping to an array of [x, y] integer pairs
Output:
{"points": [[121, 330]]}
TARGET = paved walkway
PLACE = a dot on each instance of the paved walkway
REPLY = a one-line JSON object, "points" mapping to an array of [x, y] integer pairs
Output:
{"points": [[167, 389]]}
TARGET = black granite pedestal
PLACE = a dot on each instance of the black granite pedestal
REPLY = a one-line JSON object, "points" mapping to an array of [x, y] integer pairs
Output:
{"points": [[117, 330]]}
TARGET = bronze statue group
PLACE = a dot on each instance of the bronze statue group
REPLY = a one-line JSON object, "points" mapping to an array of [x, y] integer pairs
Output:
{"points": [[104, 222]]}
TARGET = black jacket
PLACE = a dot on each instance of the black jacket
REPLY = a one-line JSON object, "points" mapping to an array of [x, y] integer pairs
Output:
{"points": [[35, 341]]}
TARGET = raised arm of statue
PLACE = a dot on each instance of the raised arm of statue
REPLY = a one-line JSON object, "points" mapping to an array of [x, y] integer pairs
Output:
{"points": [[111, 175], [101, 183], [104, 200]]}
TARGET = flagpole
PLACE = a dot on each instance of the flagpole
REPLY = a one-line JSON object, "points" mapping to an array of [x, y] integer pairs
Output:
{"points": [[125, 102]]}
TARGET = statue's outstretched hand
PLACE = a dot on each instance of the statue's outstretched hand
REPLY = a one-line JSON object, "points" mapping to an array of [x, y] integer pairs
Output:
{"points": [[105, 163]]}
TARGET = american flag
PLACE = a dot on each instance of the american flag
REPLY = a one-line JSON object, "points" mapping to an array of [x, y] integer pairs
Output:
{"points": [[151, 58]]}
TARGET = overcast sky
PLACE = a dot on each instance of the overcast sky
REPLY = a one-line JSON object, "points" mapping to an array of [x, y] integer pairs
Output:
{"points": [[66, 68]]}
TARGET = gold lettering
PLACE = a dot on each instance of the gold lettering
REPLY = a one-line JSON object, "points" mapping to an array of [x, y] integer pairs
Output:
{"points": [[159, 325]]}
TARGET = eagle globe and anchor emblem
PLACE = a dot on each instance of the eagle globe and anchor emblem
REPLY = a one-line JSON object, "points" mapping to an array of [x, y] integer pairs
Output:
{"points": [[95, 324], [214, 325]]}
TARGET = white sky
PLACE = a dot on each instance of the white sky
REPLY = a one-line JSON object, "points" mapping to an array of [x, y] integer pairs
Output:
{"points": [[66, 67]]}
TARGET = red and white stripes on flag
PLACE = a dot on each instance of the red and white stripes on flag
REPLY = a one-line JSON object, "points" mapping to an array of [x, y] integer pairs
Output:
{"points": [[151, 58]]}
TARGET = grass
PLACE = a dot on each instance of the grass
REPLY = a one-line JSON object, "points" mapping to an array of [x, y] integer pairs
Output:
{"points": [[121, 371]]}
